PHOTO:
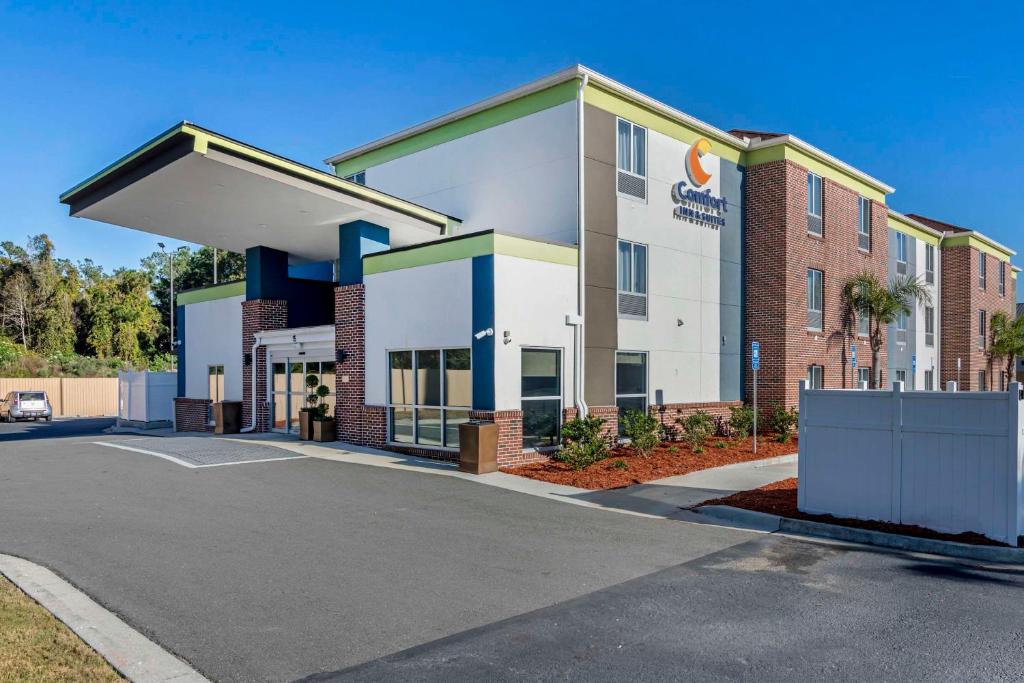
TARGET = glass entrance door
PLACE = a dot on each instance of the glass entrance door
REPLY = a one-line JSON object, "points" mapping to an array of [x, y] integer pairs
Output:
{"points": [[288, 390]]}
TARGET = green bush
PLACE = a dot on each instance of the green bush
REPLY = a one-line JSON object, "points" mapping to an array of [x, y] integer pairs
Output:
{"points": [[620, 465], [642, 430], [782, 421], [584, 444], [741, 421], [696, 429]]}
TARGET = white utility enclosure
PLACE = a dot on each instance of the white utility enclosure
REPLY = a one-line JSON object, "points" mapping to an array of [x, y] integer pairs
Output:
{"points": [[146, 399]]}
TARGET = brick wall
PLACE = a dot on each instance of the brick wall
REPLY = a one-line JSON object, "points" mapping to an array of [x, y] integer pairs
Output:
{"points": [[779, 252], [510, 436], [670, 413], [962, 299], [192, 415], [258, 315], [350, 380]]}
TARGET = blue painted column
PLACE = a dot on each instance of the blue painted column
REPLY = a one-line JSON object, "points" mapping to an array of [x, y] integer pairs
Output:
{"points": [[179, 333], [356, 240], [483, 318]]}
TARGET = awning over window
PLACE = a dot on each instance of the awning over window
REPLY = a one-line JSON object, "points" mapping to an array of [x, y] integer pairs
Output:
{"points": [[195, 185]]}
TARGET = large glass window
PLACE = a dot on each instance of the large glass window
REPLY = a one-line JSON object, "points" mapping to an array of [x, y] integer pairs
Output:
{"points": [[814, 204], [631, 159], [864, 223], [429, 395], [288, 391], [630, 382], [815, 300], [632, 279], [541, 397]]}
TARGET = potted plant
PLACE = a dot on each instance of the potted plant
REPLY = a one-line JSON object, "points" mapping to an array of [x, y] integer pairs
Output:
{"points": [[306, 413], [323, 426]]}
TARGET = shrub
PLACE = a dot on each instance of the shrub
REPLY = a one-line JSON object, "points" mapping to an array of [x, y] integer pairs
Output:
{"points": [[741, 421], [620, 465], [696, 429], [583, 442], [642, 429], [721, 444], [782, 421]]}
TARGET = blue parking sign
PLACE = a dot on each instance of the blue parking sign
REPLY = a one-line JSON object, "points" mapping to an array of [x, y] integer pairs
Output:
{"points": [[755, 355], [853, 356]]}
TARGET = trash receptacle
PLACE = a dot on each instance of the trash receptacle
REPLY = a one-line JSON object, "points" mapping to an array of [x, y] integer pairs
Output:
{"points": [[227, 417], [478, 447]]}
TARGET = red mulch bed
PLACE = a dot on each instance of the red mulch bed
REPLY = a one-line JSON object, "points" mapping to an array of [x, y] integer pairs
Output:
{"points": [[667, 460], [779, 498]]}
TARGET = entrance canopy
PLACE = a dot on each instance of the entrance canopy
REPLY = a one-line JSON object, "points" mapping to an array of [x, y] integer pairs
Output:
{"points": [[195, 185]]}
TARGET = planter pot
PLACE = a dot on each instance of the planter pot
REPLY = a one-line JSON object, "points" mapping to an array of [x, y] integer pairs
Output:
{"points": [[324, 430], [305, 424]]}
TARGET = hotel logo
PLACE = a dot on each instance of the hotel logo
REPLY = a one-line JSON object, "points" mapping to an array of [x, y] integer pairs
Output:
{"points": [[694, 205]]}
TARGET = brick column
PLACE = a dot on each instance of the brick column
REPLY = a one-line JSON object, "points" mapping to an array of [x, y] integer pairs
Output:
{"points": [[258, 315], [191, 414], [357, 424]]}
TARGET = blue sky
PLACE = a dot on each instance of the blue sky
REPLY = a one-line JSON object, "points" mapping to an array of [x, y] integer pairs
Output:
{"points": [[925, 97]]}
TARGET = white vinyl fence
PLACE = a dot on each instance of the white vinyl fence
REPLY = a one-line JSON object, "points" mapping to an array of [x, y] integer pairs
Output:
{"points": [[948, 461], [146, 399]]}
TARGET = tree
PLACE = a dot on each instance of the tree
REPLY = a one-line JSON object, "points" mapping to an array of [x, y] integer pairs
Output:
{"points": [[120, 319], [37, 296], [865, 294], [1007, 340]]}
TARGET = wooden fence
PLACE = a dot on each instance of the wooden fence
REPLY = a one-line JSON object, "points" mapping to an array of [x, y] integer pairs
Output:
{"points": [[70, 396]]}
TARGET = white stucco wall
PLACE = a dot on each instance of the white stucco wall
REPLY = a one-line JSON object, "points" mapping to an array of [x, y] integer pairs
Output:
{"points": [[213, 336], [927, 357], [532, 299], [694, 275], [426, 307], [518, 177]]}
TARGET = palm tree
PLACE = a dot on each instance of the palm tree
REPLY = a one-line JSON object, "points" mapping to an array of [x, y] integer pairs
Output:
{"points": [[1007, 340], [866, 295]]}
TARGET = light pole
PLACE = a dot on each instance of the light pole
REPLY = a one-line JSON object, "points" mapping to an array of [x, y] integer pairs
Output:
{"points": [[170, 267]]}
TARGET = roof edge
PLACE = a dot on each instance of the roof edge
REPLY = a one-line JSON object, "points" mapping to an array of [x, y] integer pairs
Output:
{"points": [[823, 157]]}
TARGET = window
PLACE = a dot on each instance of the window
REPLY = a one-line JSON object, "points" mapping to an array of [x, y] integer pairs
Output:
{"points": [[929, 326], [901, 253], [863, 323], [864, 223], [815, 300], [631, 155], [541, 397], [982, 270], [929, 380], [929, 263], [359, 177], [816, 377], [982, 383], [900, 376], [863, 377], [982, 329], [1002, 278], [630, 382], [814, 204], [901, 327], [429, 396], [632, 280], [215, 386]]}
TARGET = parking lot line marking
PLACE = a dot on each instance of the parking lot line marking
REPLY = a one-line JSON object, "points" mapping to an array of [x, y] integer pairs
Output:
{"points": [[246, 462], [145, 452]]}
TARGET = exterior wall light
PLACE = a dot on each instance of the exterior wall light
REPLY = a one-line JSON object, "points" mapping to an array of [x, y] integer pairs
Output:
{"points": [[489, 332]]}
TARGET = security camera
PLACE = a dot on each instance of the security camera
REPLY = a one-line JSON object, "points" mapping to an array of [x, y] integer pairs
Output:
{"points": [[489, 332]]}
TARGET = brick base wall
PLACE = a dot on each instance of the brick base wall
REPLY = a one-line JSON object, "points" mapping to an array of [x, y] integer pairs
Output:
{"points": [[192, 415], [258, 315], [510, 435], [669, 413]]}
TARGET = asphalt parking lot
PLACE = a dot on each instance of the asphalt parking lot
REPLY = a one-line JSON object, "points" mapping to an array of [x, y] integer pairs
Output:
{"points": [[276, 570]]}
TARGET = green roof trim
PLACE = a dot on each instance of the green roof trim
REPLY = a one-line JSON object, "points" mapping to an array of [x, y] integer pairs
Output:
{"points": [[974, 241], [469, 246], [901, 224], [789, 152], [211, 293], [474, 123]]}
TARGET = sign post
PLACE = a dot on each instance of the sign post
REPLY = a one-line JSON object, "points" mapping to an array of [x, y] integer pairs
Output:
{"points": [[755, 364], [853, 364]]}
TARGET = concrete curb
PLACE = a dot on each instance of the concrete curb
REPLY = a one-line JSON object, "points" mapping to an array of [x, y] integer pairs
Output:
{"points": [[767, 522], [133, 655]]}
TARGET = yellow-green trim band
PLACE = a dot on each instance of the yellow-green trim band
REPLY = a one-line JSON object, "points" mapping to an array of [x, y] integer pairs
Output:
{"points": [[900, 225], [974, 242], [469, 247], [791, 153], [224, 291]]}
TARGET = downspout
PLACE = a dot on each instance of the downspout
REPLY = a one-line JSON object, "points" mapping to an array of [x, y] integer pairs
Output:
{"points": [[252, 424], [581, 297]]}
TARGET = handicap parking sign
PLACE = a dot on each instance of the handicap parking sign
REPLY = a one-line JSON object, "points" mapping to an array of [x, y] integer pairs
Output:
{"points": [[755, 355]]}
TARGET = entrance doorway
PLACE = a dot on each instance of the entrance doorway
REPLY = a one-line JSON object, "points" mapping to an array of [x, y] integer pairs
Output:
{"points": [[288, 389]]}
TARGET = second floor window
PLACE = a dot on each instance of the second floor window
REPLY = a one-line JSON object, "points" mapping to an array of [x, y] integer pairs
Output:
{"points": [[929, 326], [1002, 278], [929, 263], [815, 300], [901, 253], [901, 327], [631, 155], [632, 279], [864, 223], [982, 270], [982, 329], [359, 177], [813, 204]]}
